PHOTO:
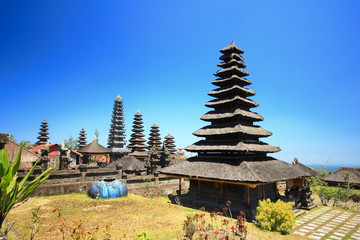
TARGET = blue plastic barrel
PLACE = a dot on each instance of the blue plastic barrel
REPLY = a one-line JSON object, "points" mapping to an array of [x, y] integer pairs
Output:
{"points": [[108, 189]]}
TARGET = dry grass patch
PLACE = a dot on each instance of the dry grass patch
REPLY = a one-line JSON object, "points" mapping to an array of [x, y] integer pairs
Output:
{"points": [[128, 215]]}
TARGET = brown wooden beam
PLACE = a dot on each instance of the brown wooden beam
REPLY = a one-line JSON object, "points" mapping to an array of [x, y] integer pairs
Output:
{"points": [[263, 191], [252, 185], [179, 186]]}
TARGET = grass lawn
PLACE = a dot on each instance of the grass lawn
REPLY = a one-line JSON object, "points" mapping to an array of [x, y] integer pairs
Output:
{"points": [[129, 215]]}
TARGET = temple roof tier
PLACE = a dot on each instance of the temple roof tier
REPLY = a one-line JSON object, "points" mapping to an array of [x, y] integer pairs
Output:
{"points": [[239, 146], [137, 134], [232, 100], [233, 90], [225, 129], [234, 70], [230, 113], [43, 133], [265, 171], [229, 57], [232, 80], [137, 146], [232, 62], [231, 49], [138, 140]]}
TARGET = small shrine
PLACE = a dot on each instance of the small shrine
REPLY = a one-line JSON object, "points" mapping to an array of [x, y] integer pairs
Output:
{"points": [[95, 153]]}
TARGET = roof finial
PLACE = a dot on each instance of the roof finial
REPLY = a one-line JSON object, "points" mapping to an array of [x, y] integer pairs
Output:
{"points": [[232, 43], [118, 97]]}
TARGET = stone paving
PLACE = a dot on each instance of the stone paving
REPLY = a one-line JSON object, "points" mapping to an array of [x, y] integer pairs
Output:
{"points": [[328, 223]]}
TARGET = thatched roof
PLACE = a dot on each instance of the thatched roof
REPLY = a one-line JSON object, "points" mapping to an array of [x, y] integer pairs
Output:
{"points": [[231, 100], [230, 71], [226, 129], [340, 176], [308, 172], [229, 113], [129, 163], [266, 170], [237, 146], [231, 90], [234, 79], [93, 148]]}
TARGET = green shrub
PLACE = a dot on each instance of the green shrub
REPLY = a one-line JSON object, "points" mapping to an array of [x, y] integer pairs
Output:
{"points": [[275, 216], [326, 194]]}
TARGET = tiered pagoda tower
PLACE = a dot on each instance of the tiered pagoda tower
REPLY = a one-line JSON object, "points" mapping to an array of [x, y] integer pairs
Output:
{"points": [[232, 162], [116, 140], [82, 139], [170, 143], [43, 138], [137, 146], [232, 132], [154, 138]]}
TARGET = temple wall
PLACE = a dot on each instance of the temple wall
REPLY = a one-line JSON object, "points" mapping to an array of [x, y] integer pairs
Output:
{"points": [[74, 181]]}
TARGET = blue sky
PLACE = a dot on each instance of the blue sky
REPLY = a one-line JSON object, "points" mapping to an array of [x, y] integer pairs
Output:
{"points": [[66, 61]]}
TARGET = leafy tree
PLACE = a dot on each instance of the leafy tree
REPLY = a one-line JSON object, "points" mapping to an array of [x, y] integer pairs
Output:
{"points": [[12, 138], [70, 143], [12, 191]]}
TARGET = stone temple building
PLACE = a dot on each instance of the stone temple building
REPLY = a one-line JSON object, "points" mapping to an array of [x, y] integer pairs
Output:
{"points": [[232, 162]]}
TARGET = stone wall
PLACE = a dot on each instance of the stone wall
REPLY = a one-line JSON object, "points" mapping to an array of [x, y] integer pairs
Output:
{"points": [[79, 181]]}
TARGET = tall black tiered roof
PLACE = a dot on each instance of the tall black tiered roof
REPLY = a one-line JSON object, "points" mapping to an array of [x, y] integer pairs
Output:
{"points": [[82, 139], [232, 127], [43, 134], [170, 143], [231, 149], [137, 146], [116, 140], [154, 139]]}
